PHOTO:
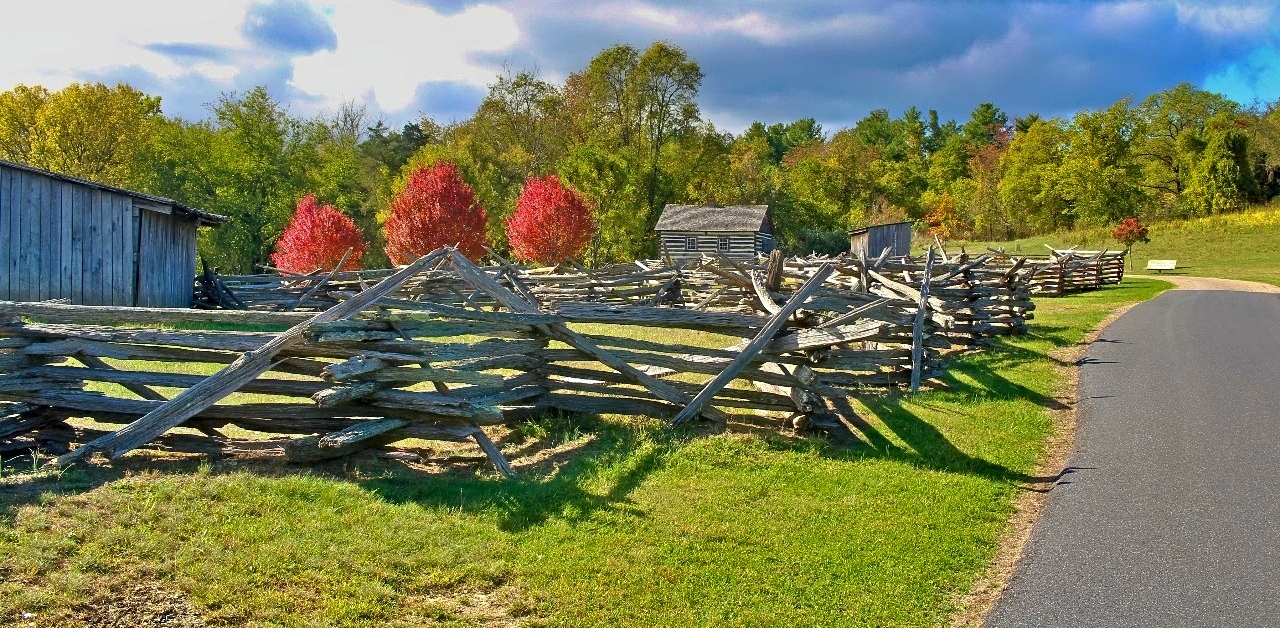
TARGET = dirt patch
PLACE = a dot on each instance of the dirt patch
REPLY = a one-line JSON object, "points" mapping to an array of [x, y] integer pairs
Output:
{"points": [[144, 604], [982, 597], [499, 608], [121, 605], [1183, 282]]}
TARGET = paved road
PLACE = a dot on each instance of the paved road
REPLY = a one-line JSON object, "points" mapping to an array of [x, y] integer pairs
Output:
{"points": [[1170, 514]]}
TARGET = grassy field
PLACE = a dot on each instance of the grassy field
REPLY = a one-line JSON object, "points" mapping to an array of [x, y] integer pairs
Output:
{"points": [[1233, 246], [615, 521]]}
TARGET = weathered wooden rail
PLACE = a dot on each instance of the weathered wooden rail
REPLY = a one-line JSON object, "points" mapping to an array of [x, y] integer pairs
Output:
{"points": [[445, 349], [980, 296]]}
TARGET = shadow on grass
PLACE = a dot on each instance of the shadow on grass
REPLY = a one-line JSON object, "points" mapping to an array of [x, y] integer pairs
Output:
{"points": [[572, 485], [587, 467], [22, 485]]}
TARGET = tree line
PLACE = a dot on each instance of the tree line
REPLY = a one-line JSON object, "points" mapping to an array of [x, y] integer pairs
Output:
{"points": [[627, 134]]}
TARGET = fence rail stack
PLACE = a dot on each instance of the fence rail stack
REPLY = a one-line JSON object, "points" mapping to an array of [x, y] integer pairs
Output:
{"points": [[1068, 271]]}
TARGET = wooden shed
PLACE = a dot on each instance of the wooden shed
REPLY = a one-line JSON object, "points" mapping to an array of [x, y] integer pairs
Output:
{"points": [[737, 232], [872, 241], [67, 238]]}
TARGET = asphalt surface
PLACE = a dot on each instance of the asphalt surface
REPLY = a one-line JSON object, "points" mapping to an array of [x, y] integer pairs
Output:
{"points": [[1169, 512]]}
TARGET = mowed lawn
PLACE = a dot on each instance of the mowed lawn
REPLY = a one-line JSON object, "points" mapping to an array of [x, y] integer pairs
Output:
{"points": [[613, 521], [1232, 246]]}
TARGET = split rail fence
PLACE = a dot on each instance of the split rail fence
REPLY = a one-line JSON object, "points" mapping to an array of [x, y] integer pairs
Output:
{"points": [[443, 349], [1068, 271]]}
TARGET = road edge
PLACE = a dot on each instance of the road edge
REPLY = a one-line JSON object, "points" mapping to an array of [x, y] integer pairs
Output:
{"points": [[974, 606]]}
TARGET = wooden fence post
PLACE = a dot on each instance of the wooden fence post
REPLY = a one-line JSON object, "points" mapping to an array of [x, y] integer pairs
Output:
{"points": [[917, 332]]}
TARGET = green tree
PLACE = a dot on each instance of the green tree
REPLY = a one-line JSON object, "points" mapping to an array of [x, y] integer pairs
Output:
{"points": [[781, 138], [1030, 171], [249, 162], [1263, 128], [517, 133], [607, 179], [342, 173], [85, 130], [1174, 128], [20, 128], [1221, 179], [638, 101], [1100, 176]]}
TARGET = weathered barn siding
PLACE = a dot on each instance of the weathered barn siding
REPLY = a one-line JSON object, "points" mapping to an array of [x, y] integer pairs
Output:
{"points": [[871, 241], [167, 273], [65, 238], [61, 240]]}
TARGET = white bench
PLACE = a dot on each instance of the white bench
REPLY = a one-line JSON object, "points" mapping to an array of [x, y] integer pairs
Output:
{"points": [[1161, 265]]}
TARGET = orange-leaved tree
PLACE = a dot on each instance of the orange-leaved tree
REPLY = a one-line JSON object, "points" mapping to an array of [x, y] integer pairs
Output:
{"points": [[317, 237], [552, 222], [436, 208], [1129, 232]]}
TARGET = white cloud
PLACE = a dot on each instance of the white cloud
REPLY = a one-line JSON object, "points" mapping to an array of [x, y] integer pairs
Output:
{"points": [[385, 48], [1121, 17], [62, 41], [1226, 19], [750, 24], [388, 48]]}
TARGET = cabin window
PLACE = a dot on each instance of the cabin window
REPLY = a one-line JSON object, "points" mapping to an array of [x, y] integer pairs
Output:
{"points": [[691, 243], [722, 244]]}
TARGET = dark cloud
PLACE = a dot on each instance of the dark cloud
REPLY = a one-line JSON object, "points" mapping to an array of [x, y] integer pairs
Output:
{"points": [[831, 60], [191, 95], [448, 7], [837, 61], [445, 101], [289, 26], [190, 51]]}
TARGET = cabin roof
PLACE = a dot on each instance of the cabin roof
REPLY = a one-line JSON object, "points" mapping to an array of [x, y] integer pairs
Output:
{"points": [[205, 218], [753, 218]]}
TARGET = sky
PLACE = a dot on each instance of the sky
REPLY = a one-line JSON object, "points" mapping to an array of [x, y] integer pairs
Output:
{"points": [[769, 61]]}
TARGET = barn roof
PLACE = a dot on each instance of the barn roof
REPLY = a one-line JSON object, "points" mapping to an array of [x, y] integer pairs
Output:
{"points": [[702, 218], [205, 218], [854, 232]]}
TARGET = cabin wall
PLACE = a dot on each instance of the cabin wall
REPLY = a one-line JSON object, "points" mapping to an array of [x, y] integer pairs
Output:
{"points": [[741, 245]]}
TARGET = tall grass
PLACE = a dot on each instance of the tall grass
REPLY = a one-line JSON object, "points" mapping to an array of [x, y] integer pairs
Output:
{"points": [[1233, 246]]}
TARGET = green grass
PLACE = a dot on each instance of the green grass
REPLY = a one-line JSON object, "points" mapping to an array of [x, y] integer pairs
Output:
{"points": [[1232, 246], [627, 524]]}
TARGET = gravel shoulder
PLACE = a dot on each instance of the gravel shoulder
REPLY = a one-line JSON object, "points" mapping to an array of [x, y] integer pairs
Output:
{"points": [[1183, 282]]}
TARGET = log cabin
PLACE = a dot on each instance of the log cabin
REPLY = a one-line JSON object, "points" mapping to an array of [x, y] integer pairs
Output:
{"points": [[739, 232]]}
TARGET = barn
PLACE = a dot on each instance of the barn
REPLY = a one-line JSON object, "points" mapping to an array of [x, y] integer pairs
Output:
{"points": [[92, 244], [872, 241], [738, 232]]}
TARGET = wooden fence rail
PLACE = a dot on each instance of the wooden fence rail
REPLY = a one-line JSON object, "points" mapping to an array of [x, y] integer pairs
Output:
{"points": [[445, 349]]}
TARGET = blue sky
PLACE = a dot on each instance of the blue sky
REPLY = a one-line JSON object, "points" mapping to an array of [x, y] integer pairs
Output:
{"points": [[768, 61]]}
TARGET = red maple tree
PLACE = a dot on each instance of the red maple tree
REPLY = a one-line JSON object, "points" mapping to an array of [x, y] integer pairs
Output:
{"points": [[552, 222], [436, 208], [317, 237], [1130, 231]]}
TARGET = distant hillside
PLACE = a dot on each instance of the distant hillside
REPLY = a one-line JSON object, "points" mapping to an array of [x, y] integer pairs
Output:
{"points": [[1235, 246]]}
